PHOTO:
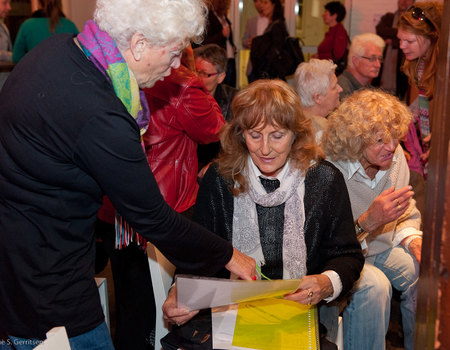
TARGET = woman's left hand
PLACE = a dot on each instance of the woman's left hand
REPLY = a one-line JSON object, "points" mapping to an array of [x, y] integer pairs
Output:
{"points": [[173, 314], [312, 290], [415, 247]]}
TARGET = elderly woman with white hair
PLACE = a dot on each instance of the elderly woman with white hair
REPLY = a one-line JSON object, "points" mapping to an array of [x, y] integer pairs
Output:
{"points": [[317, 86], [364, 63], [71, 122], [362, 141]]}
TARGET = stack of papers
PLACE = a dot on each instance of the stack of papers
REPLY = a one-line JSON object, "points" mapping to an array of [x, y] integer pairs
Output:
{"points": [[251, 314]]}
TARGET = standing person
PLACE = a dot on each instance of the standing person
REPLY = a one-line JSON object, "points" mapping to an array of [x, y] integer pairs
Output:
{"points": [[211, 65], [272, 195], [419, 31], [5, 40], [265, 50], [72, 134], [35, 30], [362, 141], [255, 27], [392, 78], [218, 31], [364, 62], [334, 45]]}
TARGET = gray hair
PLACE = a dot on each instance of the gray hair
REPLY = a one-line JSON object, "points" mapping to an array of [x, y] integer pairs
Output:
{"points": [[311, 78], [360, 43], [162, 22]]}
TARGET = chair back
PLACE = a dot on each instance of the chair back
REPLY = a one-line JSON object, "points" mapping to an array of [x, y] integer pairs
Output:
{"points": [[161, 271], [56, 340]]}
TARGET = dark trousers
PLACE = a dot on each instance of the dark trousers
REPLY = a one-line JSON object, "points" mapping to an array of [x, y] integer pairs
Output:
{"points": [[135, 305]]}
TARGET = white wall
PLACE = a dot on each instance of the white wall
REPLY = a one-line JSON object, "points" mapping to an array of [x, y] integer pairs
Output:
{"points": [[78, 11]]}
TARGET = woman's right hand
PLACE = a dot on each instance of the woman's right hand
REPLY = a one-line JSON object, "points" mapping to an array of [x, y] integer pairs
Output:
{"points": [[242, 265], [173, 314], [387, 207]]}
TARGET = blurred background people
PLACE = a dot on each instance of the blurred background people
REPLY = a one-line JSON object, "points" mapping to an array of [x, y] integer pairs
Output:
{"points": [[218, 31], [266, 48], [71, 122], [362, 141], [255, 27], [5, 40], [419, 31], [317, 86], [364, 62], [37, 29], [211, 64], [272, 195], [334, 45], [392, 78]]}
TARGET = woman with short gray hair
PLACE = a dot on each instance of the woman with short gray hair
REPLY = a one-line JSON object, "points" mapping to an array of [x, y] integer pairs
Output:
{"points": [[318, 89]]}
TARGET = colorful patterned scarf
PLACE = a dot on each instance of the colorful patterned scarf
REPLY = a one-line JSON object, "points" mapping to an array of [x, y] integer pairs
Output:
{"points": [[101, 49]]}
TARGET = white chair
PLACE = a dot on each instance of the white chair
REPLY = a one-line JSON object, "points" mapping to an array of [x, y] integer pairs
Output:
{"points": [[56, 340], [103, 292], [161, 271], [340, 335]]}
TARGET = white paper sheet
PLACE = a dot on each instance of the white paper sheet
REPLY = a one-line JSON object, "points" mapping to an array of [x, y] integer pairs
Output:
{"points": [[195, 293]]}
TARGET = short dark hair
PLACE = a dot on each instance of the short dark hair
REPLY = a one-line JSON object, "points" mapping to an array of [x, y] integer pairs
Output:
{"points": [[336, 7], [213, 54]]}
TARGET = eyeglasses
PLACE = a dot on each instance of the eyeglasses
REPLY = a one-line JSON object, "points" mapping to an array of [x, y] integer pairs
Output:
{"points": [[418, 14], [203, 74], [372, 59]]}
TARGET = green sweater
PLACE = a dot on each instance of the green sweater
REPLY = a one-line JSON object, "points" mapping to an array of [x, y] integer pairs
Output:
{"points": [[35, 30]]}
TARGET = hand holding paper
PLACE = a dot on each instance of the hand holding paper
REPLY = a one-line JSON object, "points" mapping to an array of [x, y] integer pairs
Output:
{"points": [[196, 293], [319, 286], [173, 314]]}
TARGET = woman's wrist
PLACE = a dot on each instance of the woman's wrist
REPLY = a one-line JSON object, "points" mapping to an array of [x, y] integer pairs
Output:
{"points": [[408, 240]]}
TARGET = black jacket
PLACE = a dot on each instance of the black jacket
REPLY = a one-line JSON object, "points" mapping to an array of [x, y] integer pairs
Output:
{"points": [[329, 230]]}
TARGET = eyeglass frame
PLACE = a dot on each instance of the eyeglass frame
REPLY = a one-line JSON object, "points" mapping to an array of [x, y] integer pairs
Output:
{"points": [[372, 59], [419, 16], [203, 74]]}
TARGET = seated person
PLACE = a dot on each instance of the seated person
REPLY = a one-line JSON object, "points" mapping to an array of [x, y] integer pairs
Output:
{"points": [[362, 141], [318, 89], [364, 62], [272, 195], [211, 66], [184, 115]]}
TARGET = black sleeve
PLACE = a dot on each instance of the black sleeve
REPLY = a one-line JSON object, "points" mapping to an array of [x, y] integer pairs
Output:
{"points": [[125, 177], [215, 206], [329, 228]]}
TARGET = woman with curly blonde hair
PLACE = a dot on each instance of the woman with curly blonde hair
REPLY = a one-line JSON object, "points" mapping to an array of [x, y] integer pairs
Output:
{"points": [[362, 141], [419, 31], [274, 198]]}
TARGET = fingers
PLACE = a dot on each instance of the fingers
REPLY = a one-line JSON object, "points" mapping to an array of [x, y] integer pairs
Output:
{"points": [[312, 290], [242, 265], [180, 316], [173, 314]]}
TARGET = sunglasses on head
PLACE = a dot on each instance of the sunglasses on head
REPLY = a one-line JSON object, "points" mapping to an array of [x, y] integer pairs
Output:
{"points": [[418, 14]]}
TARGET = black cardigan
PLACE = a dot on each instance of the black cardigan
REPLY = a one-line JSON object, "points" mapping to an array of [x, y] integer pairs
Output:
{"points": [[329, 230]]}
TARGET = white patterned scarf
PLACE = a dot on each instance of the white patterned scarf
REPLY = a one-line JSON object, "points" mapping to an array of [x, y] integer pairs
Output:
{"points": [[246, 237]]}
